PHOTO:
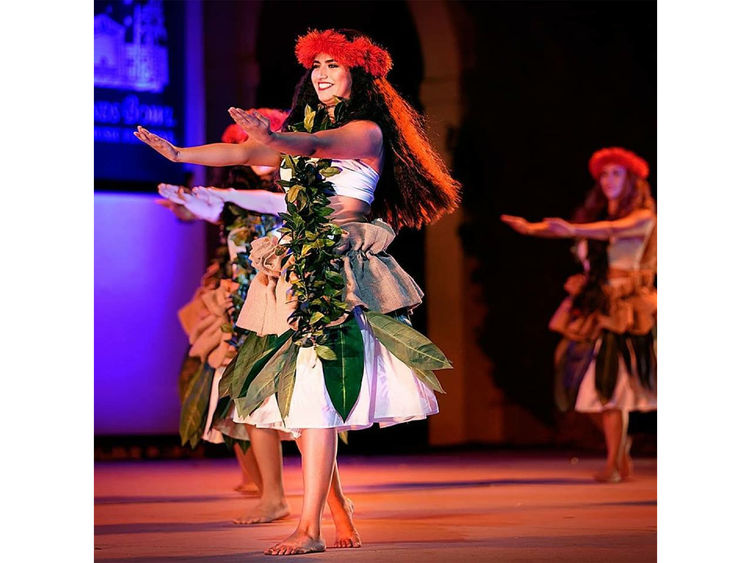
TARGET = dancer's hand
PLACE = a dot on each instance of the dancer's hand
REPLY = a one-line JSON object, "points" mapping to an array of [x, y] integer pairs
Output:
{"points": [[203, 205], [160, 145], [559, 227], [253, 123], [180, 211], [187, 206], [521, 225], [172, 192], [174, 201], [215, 195]]}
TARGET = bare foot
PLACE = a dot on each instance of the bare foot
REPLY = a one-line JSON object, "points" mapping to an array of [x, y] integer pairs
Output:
{"points": [[248, 489], [608, 475], [262, 513], [346, 534], [297, 544]]}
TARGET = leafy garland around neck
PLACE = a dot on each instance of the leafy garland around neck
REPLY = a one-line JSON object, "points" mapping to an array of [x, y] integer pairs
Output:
{"points": [[310, 238]]}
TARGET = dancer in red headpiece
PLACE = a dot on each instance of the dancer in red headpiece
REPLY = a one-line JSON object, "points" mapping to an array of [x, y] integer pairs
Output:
{"points": [[246, 211], [331, 347], [210, 314], [606, 361]]}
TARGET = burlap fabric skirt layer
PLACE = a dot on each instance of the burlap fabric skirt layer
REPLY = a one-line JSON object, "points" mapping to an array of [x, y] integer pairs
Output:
{"points": [[608, 361], [391, 392], [204, 320]]}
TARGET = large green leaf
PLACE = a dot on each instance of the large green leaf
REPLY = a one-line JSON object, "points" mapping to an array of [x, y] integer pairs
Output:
{"points": [[194, 409], [252, 356], [190, 367], [407, 344], [606, 366], [230, 443], [429, 379], [264, 383], [223, 407], [225, 383], [343, 375], [286, 382]]}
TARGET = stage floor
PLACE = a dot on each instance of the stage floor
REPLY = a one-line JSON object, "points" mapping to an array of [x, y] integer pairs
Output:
{"points": [[478, 507]]}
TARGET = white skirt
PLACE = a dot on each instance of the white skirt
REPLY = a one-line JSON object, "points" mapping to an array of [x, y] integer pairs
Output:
{"points": [[390, 393], [628, 394], [225, 426]]}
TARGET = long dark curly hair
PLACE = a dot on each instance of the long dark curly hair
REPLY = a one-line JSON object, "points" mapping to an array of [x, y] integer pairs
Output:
{"points": [[636, 194], [415, 187]]}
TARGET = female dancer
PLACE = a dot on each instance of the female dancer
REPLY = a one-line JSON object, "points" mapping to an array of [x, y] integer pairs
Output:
{"points": [[326, 352], [204, 414], [210, 314], [606, 360]]}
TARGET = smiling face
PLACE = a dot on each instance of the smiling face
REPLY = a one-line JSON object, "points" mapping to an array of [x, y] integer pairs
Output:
{"points": [[612, 180], [330, 79]]}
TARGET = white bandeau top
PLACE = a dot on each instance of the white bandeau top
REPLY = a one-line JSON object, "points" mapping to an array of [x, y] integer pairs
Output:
{"points": [[357, 179]]}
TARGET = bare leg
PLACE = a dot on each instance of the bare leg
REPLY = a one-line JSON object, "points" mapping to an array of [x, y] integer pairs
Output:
{"points": [[318, 447], [597, 419], [342, 510], [626, 467], [613, 428], [251, 475], [268, 452]]}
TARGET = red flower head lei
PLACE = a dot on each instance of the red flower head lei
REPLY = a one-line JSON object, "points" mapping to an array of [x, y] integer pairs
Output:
{"points": [[622, 157], [361, 52], [234, 134]]}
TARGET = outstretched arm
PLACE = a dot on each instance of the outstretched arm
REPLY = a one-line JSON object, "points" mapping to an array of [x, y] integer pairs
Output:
{"points": [[260, 201], [521, 225], [183, 199], [639, 222], [214, 154], [356, 139]]}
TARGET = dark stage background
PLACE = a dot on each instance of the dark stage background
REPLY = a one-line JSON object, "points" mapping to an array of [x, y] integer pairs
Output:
{"points": [[544, 84]]}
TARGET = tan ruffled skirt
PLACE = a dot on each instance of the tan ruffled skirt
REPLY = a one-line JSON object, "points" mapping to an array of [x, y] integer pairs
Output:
{"points": [[629, 383]]}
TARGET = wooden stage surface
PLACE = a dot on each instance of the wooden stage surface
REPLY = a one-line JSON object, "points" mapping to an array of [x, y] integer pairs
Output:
{"points": [[475, 507]]}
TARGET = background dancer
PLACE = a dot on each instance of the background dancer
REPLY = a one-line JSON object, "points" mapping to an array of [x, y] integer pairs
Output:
{"points": [[606, 362], [208, 319]]}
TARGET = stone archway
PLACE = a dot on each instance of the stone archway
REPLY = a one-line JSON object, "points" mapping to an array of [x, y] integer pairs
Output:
{"points": [[471, 409]]}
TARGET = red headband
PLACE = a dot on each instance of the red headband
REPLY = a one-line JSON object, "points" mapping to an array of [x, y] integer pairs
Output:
{"points": [[361, 52], [234, 134], [622, 157]]}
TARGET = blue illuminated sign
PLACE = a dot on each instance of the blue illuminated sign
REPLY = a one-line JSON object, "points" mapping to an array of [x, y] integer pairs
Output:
{"points": [[138, 80], [140, 64]]}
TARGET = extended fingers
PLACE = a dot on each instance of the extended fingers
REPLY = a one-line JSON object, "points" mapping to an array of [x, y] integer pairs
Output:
{"points": [[244, 118], [147, 136]]}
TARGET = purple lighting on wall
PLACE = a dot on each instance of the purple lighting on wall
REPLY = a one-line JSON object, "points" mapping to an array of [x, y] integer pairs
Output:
{"points": [[147, 266]]}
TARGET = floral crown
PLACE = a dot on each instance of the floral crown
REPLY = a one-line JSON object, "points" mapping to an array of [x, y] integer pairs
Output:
{"points": [[622, 157], [361, 51]]}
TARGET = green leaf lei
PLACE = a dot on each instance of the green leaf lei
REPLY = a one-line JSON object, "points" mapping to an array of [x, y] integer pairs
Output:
{"points": [[310, 238]]}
